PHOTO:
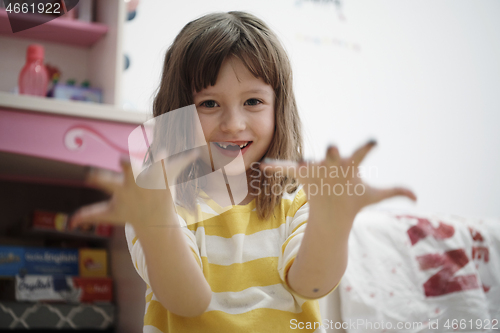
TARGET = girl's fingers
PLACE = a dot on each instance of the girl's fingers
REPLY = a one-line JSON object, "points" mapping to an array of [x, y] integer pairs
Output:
{"points": [[360, 154], [100, 212], [128, 173], [383, 194], [332, 155], [105, 180], [125, 163]]}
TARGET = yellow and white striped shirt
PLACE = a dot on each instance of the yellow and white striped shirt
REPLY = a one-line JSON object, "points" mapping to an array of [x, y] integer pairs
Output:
{"points": [[245, 261]]}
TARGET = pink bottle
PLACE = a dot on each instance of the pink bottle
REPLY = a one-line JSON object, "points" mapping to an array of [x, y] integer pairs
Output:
{"points": [[34, 78]]}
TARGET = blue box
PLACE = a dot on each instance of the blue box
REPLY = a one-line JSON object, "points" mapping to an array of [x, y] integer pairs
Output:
{"points": [[16, 260], [11, 260], [51, 261], [74, 93]]}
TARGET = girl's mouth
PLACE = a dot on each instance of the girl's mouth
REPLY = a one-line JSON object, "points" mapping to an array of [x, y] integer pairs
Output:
{"points": [[231, 148]]}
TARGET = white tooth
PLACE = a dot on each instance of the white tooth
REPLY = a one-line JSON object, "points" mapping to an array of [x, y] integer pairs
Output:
{"points": [[233, 144]]}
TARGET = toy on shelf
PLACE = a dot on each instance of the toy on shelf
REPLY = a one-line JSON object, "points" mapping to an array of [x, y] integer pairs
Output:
{"points": [[46, 222], [84, 93], [54, 75]]}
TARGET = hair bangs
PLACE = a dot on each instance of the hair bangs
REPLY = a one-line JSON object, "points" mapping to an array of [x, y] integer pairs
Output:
{"points": [[259, 66], [229, 37]]}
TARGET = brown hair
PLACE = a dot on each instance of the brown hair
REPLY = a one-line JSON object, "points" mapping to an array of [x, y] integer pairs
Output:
{"points": [[193, 62]]}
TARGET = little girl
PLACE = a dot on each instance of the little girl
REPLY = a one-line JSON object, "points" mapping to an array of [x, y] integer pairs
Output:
{"points": [[261, 265]]}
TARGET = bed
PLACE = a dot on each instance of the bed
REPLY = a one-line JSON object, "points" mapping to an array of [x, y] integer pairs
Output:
{"points": [[418, 272]]}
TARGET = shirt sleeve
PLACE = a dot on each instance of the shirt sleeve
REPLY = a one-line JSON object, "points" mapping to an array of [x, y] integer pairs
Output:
{"points": [[137, 254], [296, 223]]}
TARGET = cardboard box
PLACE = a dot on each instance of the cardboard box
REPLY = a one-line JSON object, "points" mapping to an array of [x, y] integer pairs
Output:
{"points": [[11, 260], [95, 289], [16, 260], [49, 220], [104, 230], [35, 288], [58, 221], [51, 261], [93, 263]]}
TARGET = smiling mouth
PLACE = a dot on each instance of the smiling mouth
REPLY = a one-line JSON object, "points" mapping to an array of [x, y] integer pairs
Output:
{"points": [[232, 146]]}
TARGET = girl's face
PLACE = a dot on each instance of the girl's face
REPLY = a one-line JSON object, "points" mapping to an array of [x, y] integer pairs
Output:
{"points": [[237, 110]]}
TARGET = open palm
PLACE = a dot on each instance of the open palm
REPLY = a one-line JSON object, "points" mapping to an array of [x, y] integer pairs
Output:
{"points": [[335, 181]]}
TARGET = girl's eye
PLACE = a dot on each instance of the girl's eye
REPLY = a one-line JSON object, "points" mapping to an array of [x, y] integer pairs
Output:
{"points": [[209, 104], [255, 100]]}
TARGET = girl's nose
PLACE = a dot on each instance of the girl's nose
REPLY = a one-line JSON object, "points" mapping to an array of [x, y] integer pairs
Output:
{"points": [[232, 120]]}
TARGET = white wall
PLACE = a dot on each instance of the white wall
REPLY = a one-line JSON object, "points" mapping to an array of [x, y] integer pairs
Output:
{"points": [[420, 76]]}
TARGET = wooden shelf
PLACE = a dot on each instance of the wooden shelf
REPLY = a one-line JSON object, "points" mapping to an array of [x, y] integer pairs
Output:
{"points": [[64, 235], [59, 30], [70, 108], [23, 168]]}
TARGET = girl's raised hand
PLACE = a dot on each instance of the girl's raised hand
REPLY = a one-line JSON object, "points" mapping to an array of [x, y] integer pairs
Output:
{"points": [[129, 202], [334, 183]]}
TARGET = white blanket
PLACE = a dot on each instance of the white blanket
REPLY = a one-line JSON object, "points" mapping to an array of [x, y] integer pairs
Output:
{"points": [[422, 273]]}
